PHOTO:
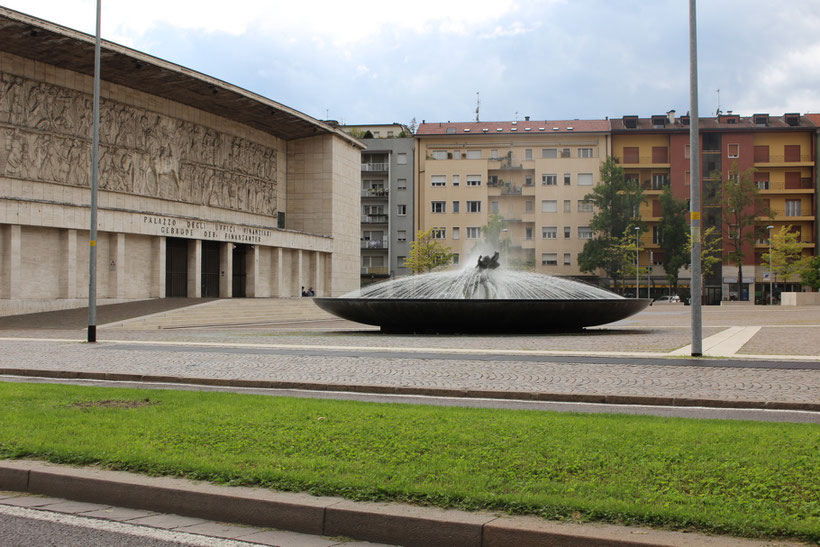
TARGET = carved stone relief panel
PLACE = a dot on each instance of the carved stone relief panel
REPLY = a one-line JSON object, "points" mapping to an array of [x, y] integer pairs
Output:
{"points": [[45, 135]]}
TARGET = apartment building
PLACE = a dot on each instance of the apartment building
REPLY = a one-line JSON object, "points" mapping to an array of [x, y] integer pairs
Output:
{"points": [[386, 199], [782, 151], [533, 174]]}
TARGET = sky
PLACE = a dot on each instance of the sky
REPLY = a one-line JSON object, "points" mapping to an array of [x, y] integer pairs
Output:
{"points": [[364, 62]]}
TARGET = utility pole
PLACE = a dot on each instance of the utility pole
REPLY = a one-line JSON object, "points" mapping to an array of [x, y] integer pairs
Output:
{"points": [[771, 267], [694, 188], [95, 150], [637, 262]]}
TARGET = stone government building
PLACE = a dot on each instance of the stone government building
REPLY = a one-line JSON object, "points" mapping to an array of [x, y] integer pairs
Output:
{"points": [[205, 189]]}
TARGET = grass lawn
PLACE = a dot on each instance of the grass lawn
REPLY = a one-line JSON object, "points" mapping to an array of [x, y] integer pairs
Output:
{"points": [[741, 478]]}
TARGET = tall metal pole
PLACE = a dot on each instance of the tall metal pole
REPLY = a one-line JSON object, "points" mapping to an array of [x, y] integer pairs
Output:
{"points": [[637, 263], [694, 188], [95, 146], [771, 268]]}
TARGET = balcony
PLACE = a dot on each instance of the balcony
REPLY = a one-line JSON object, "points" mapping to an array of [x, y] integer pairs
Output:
{"points": [[805, 186], [503, 164], [503, 188], [780, 159], [643, 161], [374, 219], [375, 270], [374, 192], [373, 244], [375, 167]]}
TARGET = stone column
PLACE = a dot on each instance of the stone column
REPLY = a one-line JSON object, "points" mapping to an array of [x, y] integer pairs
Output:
{"points": [[158, 267], [116, 266], [296, 281], [276, 257], [252, 285], [11, 271], [195, 268], [226, 269], [69, 288], [314, 273]]}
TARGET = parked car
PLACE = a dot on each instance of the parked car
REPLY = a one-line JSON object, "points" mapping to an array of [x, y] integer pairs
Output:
{"points": [[674, 299]]}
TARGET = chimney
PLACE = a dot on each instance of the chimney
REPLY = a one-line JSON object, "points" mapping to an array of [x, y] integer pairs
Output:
{"points": [[526, 118], [671, 116]]}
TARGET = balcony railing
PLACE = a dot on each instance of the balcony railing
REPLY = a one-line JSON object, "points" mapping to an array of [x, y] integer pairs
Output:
{"points": [[632, 160], [374, 192], [374, 270], [374, 219], [372, 244], [374, 167], [780, 158]]}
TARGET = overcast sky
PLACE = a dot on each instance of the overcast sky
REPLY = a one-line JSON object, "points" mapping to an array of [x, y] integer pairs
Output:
{"points": [[382, 62]]}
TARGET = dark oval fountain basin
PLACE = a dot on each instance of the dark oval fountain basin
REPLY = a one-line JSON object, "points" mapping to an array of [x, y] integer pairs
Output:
{"points": [[481, 315]]}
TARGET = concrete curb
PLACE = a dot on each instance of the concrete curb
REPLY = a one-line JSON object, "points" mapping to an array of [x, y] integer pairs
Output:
{"points": [[408, 390], [393, 523]]}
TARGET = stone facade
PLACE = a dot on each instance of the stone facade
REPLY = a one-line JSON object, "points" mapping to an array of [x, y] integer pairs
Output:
{"points": [[190, 203]]}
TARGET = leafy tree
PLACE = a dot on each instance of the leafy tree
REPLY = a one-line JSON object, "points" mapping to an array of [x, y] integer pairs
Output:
{"points": [[492, 231], [711, 245], [617, 202], [810, 275], [786, 258], [742, 207], [427, 253], [674, 233]]}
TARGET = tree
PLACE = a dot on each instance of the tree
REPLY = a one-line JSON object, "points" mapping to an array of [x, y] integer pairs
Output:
{"points": [[674, 233], [427, 253], [711, 244], [742, 207], [810, 275], [617, 202], [492, 231], [786, 258]]}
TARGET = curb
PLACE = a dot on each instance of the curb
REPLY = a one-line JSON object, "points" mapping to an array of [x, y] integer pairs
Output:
{"points": [[393, 523], [407, 390]]}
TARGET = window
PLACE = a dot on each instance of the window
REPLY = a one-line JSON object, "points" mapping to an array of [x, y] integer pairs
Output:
{"points": [[400, 261], [549, 152], [660, 154], [567, 179], [585, 152], [456, 154], [565, 153], [528, 153], [401, 158], [456, 180], [549, 259], [376, 134], [389, 133], [439, 180], [656, 235], [473, 180], [792, 207], [401, 184], [439, 206], [438, 233], [567, 206], [660, 181], [473, 232], [762, 180], [401, 210], [529, 206], [473, 154], [567, 232], [456, 205], [549, 206], [791, 152], [456, 232], [733, 150], [528, 234], [584, 232], [584, 179], [494, 154], [528, 180], [687, 151], [439, 154], [549, 180], [549, 232], [567, 259], [455, 258], [761, 153], [584, 206], [687, 178], [494, 207], [793, 180], [632, 154], [473, 206]]}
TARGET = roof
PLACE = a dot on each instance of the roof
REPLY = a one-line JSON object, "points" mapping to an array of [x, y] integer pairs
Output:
{"points": [[52, 44], [725, 122], [513, 127]]}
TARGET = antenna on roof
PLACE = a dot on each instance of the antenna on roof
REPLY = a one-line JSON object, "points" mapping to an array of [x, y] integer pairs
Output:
{"points": [[717, 113], [477, 105]]}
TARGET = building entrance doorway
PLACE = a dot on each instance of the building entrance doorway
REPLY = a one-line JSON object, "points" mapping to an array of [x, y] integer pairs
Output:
{"points": [[210, 269], [176, 267], [239, 271]]}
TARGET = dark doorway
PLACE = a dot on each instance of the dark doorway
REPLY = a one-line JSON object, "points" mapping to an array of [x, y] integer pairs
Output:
{"points": [[176, 267], [239, 272], [210, 269]]}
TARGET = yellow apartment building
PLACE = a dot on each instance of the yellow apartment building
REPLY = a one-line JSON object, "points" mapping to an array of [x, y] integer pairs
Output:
{"points": [[533, 174]]}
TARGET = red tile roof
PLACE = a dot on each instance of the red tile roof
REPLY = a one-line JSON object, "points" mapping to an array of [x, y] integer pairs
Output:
{"points": [[511, 127]]}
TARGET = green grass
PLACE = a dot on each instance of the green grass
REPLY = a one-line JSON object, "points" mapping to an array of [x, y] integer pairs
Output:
{"points": [[741, 478]]}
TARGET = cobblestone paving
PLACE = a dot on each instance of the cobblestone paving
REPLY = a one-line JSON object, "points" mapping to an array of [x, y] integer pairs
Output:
{"points": [[615, 378]]}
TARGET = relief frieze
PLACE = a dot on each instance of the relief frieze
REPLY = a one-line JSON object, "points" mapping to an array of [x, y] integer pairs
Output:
{"points": [[45, 135]]}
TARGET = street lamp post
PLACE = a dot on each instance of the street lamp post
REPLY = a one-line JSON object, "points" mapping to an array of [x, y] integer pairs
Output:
{"points": [[771, 267], [637, 261], [649, 268]]}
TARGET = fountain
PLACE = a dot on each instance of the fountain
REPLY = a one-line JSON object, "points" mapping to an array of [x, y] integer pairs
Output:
{"points": [[486, 298]]}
